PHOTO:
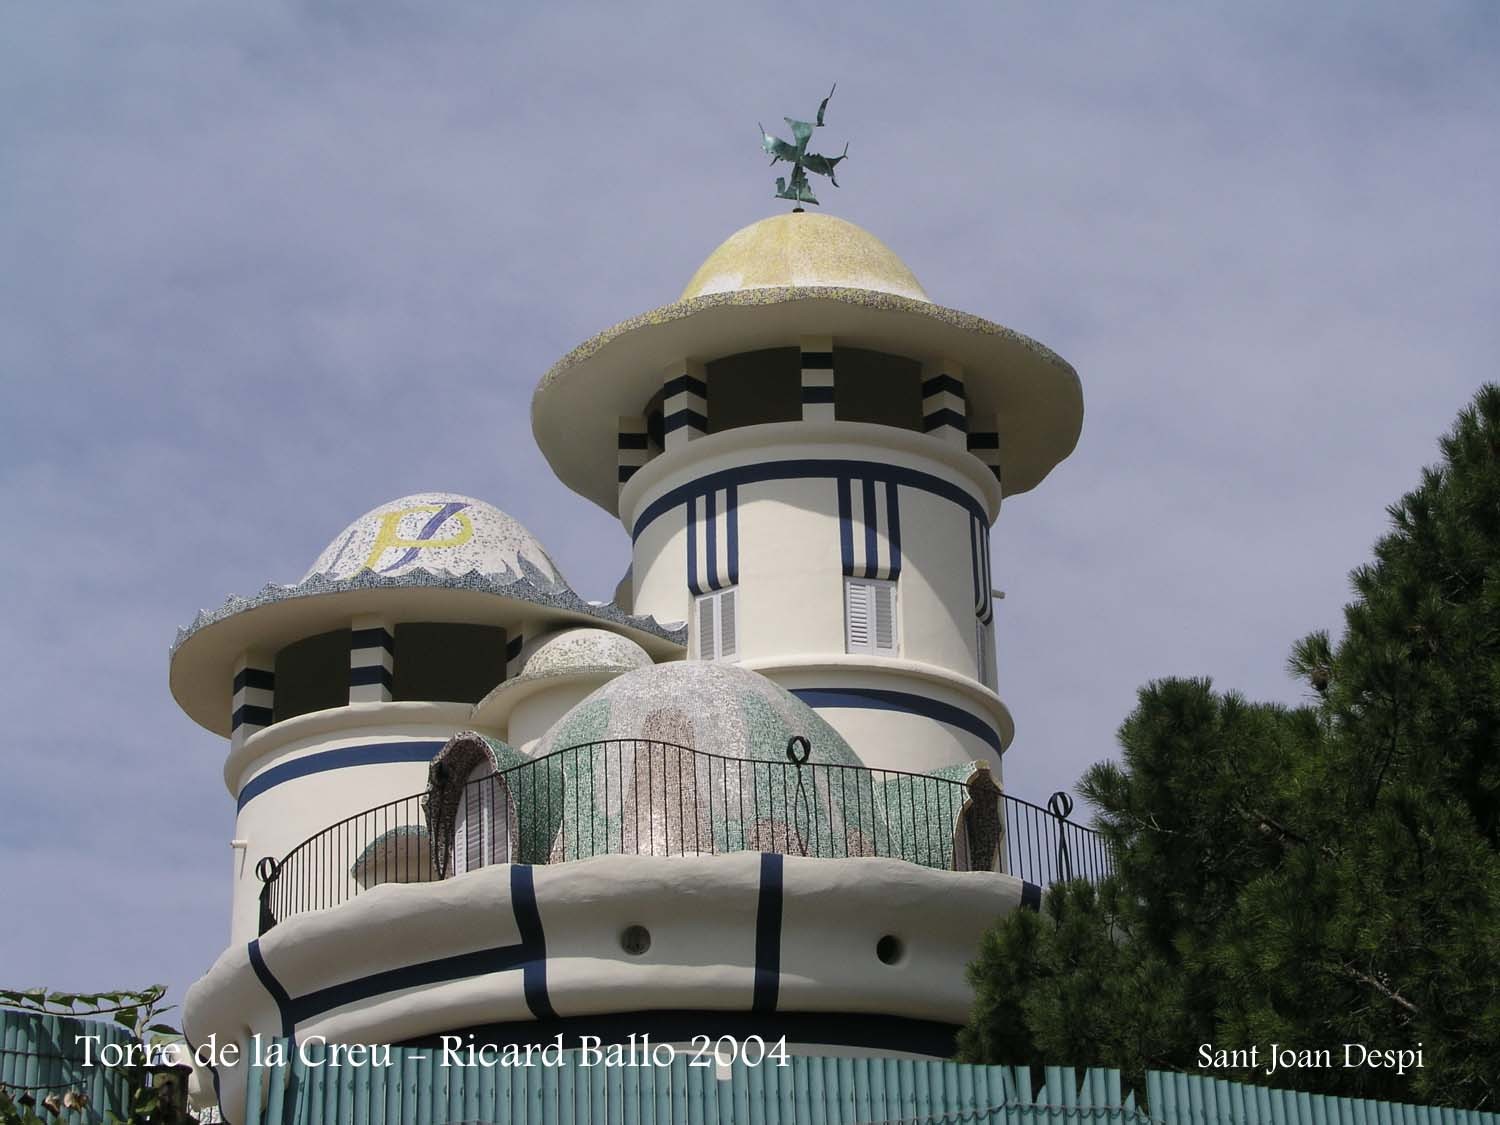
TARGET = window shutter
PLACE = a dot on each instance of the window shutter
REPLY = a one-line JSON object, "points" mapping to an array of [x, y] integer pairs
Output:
{"points": [[707, 634], [884, 597], [728, 628], [857, 616], [474, 837], [460, 836]]}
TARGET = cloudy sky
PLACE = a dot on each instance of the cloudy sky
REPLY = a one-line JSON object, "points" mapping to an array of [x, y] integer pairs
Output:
{"points": [[267, 265]]}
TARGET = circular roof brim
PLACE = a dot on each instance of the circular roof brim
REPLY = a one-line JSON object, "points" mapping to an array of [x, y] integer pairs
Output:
{"points": [[202, 663], [1033, 393]]}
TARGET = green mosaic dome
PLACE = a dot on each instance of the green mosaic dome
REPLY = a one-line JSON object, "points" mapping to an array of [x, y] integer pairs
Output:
{"points": [[692, 758], [709, 707]]}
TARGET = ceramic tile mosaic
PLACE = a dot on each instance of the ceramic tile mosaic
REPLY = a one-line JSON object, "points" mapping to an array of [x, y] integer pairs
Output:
{"points": [[583, 649], [441, 533]]}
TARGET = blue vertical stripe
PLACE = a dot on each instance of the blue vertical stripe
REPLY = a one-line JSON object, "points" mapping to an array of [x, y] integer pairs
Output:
{"points": [[872, 552], [692, 545], [974, 560], [711, 536], [533, 942], [274, 987], [732, 517], [989, 596], [893, 531], [768, 935], [846, 527]]}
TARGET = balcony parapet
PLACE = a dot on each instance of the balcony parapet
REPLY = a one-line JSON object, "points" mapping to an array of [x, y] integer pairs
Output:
{"points": [[650, 798]]}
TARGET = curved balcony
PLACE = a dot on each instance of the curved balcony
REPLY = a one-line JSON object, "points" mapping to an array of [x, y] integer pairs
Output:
{"points": [[642, 797]]}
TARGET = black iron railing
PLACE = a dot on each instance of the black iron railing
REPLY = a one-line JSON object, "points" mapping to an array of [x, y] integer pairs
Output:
{"points": [[643, 797]]}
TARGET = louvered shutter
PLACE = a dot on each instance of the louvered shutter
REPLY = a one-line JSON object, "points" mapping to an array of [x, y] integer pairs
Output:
{"points": [[728, 624], [857, 616], [460, 838], [708, 638], [474, 815], [883, 594]]}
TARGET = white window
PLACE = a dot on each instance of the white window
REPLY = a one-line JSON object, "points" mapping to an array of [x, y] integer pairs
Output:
{"points": [[870, 616], [482, 835], [717, 621], [985, 646]]}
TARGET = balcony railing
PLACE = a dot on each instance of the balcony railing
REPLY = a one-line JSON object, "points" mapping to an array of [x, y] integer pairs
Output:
{"points": [[642, 797]]}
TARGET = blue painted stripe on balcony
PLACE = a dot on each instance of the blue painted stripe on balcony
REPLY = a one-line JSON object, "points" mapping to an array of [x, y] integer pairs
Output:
{"points": [[817, 394], [1031, 896], [768, 934], [817, 361], [634, 440], [880, 699], [273, 986], [533, 940], [254, 678], [529, 955], [436, 971], [627, 471], [872, 520], [368, 754], [984, 441]]}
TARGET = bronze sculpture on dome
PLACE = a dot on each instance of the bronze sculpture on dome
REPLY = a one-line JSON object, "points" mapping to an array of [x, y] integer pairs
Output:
{"points": [[802, 161]]}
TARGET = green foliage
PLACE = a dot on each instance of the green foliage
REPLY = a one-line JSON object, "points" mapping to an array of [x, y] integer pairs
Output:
{"points": [[139, 1012], [1310, 876]]}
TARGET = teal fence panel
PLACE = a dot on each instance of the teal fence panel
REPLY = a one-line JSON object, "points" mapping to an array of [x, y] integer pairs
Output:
{"points": [[1198, 1099], [40, 1055], [416, 1089]]}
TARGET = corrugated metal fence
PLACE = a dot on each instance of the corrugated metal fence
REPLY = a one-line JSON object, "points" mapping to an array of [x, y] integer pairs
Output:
{"points": [[415, 1089], [40, 1055]]}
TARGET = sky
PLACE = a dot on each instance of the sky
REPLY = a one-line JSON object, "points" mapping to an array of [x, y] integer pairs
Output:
{"points": [[266, 266]]}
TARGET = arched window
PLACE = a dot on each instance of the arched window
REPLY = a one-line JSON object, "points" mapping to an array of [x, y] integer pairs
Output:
{"points": [[485, 831]]}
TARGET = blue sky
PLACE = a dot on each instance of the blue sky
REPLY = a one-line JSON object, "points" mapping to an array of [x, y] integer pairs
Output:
{"points": [[268, 265]]}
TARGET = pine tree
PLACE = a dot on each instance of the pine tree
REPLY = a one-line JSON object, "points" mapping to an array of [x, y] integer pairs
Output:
{"points": [[1313, 876]]}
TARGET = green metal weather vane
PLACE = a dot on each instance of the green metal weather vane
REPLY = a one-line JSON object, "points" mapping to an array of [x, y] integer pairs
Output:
{"points": [[800, 159]]}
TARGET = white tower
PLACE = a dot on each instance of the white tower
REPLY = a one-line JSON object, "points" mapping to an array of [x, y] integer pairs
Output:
{"points": [[808, 455]]}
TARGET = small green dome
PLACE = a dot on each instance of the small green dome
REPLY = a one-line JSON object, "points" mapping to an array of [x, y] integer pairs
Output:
{"points": [[692, 758], [709, 707]]}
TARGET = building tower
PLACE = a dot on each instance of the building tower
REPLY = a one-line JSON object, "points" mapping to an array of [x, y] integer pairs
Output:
{"points": [[808, 456], [758, 794]]}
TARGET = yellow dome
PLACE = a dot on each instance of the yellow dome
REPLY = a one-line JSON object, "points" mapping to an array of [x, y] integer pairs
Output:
{"points": [[803, 249]]}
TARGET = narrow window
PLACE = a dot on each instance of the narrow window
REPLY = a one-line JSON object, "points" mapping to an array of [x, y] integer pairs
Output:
{"points": [[718, 625], [982, 646], [870, 616]]}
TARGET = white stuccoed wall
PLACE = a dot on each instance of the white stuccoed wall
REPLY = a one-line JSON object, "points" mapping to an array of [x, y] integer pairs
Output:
{"points": [[791, 600], [283, 816]]}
